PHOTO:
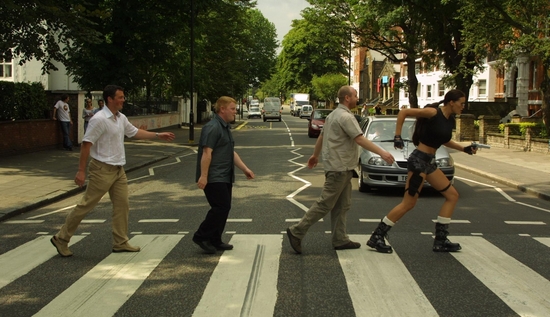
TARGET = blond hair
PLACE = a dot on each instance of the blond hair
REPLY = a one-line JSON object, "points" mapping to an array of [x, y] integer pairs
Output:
{"points": [[223, 102]]}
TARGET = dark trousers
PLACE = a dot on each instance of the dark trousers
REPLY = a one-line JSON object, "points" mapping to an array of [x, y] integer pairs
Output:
{"points": [[219, 198], [65, 130]]}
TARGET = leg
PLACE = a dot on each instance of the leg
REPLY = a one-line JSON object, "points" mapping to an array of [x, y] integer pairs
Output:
{"points": [[98, 184], [339, 213], [219, 198], [332, 189], [65, 130], [121, 208]]}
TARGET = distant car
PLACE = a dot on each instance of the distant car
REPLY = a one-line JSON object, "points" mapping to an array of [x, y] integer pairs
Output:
{"points": [[374, 172], [255, 103], [316, 122], [297, 110], [272, 109], [254, 112], [306, 111]]}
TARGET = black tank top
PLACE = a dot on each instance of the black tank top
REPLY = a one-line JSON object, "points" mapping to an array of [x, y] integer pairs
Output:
{"points": [[437, 130]]}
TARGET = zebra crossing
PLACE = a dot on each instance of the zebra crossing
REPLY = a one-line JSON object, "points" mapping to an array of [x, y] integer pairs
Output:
{"points": [[244, 281]]}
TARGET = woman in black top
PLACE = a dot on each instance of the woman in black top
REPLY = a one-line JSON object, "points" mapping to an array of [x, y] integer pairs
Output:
{"points": [[434, 127]]}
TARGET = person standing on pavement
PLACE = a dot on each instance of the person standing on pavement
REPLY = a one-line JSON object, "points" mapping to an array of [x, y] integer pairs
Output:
{"points": [[63, 111], [433, 128], [216, 174], [338, 142], [104, 142], [100, 104], [87, 113]]}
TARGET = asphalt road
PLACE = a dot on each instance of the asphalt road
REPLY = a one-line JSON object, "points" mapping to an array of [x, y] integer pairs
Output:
{"points": [[503, 269]]}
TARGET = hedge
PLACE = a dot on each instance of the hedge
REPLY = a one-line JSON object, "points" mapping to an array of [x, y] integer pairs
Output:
{"points": [[22, 101]]}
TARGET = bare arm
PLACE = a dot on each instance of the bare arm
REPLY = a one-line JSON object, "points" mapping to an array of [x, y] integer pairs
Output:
{"points": [[54, 113], [240, 164], [80, 177], [413, 112], [206, 159], [314, 158], [453, 145], [368, 145], [148, 135]]}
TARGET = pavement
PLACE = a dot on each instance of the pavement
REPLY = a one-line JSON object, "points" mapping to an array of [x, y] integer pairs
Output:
{"points": [[29, 181]]}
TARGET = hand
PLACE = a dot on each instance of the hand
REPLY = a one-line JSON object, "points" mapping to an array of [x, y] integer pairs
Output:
{"points": [[168, 136], [202, 182], [249, 174], [80, 178], [470, 149], [386, 156], [398, 142], [312, 162]]}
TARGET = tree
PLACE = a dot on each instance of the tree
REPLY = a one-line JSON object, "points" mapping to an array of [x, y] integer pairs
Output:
{"points": [[522, 28], [41, 29], [326, 87]]}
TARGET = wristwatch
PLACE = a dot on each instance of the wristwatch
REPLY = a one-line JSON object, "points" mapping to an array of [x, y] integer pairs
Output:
{"points": [[157, 134]]}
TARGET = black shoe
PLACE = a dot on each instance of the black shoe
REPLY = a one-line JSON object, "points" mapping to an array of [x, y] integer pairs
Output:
{"points": [[206, 246], [223, 246], [349, 245], [441, 243], [295, 242], [377, 241]]}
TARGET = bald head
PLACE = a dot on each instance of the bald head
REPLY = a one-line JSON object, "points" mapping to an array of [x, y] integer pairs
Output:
{"points": [[347, 96]]}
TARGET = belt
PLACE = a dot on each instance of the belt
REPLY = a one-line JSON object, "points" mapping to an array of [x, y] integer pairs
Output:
{"points": [[430, 158], [110, 165]]}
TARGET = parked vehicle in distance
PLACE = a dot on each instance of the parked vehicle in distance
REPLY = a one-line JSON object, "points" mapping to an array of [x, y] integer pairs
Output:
{"points": [[254, 112], [306, 111], [374, 172], [316, 122], [297, 100], [272, 109]]}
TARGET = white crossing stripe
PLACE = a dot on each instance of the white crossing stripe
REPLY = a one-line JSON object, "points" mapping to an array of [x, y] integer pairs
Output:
{"points": [[540, 223], [545, 241], [366, 270], [524, 290], [21, 260], [244, 282], [106, 287]]}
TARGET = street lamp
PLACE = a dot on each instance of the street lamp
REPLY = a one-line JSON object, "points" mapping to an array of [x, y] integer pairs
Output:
{"points": [[192, 85]]}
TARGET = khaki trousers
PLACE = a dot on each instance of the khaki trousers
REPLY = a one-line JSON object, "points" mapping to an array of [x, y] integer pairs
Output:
{"points": [[102, 178], [336, 199]]}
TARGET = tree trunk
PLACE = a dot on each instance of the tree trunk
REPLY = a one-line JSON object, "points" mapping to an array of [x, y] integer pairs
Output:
{"points": [[412, 81], [545, 93]]}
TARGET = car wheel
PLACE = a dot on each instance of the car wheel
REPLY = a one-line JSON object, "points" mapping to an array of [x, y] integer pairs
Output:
{"points": [[279, 119], [264, 119], [364, 188], [309, 134]]}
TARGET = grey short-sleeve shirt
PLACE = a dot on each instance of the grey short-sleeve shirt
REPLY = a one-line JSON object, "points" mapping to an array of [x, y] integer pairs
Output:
{"points": [[216, 134], [339, 149]]}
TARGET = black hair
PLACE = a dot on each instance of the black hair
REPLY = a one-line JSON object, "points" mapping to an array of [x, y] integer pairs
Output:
{"points": [[451, 95], [63, 97], [110, 91]]}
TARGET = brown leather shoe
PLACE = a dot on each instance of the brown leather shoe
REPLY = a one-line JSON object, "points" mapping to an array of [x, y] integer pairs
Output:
{"points": [[62, 247], [349, 245], [295, 242], [126, 247]]}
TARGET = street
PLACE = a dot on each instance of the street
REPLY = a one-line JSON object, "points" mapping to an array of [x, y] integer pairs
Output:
{"points": [[502, 270]]}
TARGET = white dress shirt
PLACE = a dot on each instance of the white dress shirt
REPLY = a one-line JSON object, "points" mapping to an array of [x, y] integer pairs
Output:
{"points": [[106, 133]]}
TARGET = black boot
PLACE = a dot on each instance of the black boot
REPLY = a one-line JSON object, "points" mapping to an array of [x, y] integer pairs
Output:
{"points": [[441, 243], [376, 240]]}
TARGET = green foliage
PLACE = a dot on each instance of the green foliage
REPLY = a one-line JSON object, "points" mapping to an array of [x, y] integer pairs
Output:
{"points": [[22, 101], [538, 130], [326, 87]]}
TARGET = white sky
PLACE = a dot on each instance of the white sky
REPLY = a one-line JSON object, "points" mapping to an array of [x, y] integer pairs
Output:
{"points": [[281, 13]]}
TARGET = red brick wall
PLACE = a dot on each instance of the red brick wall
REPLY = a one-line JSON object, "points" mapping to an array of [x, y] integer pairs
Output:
{"points": [[27, 136]]}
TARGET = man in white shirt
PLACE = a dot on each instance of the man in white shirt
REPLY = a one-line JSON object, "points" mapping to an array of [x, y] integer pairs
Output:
{"points": [[62, 110], [104, 142]]}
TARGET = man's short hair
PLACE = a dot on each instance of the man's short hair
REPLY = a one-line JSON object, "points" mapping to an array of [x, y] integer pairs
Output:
{"points": [[343, 92], [110, 91], [223, 102]]}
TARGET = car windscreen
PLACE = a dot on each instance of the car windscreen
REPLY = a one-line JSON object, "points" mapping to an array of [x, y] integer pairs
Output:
{"points": [[254, 109], [321, 114], [384, 131]]}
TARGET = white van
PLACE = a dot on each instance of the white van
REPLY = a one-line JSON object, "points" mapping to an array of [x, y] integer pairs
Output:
{"points": [[272, 109], [306, 111]]}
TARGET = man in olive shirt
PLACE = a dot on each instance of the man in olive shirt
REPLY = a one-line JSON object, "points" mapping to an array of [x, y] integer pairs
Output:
{"points": [[215, 174], [338, 140]]}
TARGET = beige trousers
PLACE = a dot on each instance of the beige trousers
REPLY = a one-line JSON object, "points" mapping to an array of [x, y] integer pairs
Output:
{"points": [[102, 178], [336, 199]]}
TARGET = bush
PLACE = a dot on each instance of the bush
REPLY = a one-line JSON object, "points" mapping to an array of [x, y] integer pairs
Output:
{"points": [[22, 101], [538, 130]]}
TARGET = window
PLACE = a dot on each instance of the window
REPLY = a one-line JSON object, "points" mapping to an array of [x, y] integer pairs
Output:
{"points": [[441, 89], [5, 69], [482, 87], [429, 91]]}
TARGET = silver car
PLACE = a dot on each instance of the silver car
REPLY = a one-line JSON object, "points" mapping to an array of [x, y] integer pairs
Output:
{"points": [[374, 172], [254, 112]]}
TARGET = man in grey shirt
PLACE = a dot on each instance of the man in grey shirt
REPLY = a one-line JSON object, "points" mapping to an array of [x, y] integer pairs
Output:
{"points": [[338, 141]]}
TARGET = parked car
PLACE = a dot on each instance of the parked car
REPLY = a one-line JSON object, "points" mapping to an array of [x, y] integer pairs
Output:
{"points": [[306, 111], [316, 122], [254, 112], [272, 109], [374, 172]]}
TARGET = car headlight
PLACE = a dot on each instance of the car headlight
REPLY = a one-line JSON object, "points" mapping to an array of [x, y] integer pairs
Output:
{"points": [[444, 162], [315, 126], [378, 161]]}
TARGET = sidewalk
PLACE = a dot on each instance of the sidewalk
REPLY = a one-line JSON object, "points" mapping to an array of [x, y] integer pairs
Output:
{"points": [[29, 181]]}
